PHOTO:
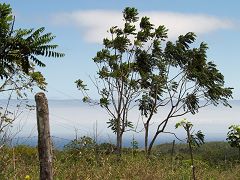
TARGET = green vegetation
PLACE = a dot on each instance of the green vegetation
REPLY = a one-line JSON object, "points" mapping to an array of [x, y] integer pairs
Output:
{"points": [[233, 137], [214, 160]]}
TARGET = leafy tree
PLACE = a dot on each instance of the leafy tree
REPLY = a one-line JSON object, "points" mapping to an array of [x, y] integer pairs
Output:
{"points": [[178, 77], [117, 81], [233, 137], [192, 140], [140, 65], [20, 53]]}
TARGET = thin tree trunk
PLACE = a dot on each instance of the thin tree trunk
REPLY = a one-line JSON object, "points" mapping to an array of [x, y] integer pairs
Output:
{"points": [[146, 126], [119, 148], [191, 152], [121, 140], [173, 145], [239, 153], [151, 143], [118, 144]]}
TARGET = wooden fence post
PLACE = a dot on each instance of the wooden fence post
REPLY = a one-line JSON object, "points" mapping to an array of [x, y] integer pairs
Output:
{"points": [[44, 140]]}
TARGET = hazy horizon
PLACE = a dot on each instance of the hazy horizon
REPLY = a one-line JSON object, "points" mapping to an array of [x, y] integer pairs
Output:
{"points": [[71, 117]]}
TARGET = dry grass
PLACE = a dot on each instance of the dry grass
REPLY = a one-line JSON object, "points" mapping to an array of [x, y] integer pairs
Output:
{"points": [[23, 161]]}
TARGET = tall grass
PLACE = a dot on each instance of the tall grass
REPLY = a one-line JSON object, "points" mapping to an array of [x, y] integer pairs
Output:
{"points": [[17, 162]]}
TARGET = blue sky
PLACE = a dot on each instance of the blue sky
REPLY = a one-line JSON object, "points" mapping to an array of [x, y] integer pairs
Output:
{"points": [[80, 25]]}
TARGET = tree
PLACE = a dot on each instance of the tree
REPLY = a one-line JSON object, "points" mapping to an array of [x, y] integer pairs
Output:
{"points": [[192, 140], [20, 50], [177, 76], [233, 137], [140, 65], [117, 81]]}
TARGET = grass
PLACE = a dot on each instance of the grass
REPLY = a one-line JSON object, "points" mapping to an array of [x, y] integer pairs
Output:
{"points": [[211, 163]]}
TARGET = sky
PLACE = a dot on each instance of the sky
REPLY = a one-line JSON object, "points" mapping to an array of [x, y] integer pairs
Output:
{"points": [[80, 26]]}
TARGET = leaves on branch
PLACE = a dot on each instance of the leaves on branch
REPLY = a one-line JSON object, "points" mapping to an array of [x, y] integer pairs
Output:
{"points": [[20, 53], [196, 139], [233, 136], [81, 85]]}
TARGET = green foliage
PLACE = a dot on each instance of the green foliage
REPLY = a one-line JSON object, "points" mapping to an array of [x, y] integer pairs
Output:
{"points": [[215, 154], [27, 153], [112, 123], [83, 143], [233, 136], [106, 148], [196, 139], [192, 68], [80, 84], [130, 15], [134, 146], [22, 46], [20, 50]]}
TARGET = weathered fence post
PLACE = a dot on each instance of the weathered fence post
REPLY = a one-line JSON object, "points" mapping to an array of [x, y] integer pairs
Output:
{"points": [[44, 141]]}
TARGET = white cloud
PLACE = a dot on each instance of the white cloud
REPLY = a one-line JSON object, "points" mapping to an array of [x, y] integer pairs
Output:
{"points": [[95, 23]]}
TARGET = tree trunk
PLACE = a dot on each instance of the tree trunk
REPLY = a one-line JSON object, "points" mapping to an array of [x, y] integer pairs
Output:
{"points": [[239, 153], [191, 151], [44, 141], [151, 143], [172, 153], [119, 141], [118, 144], [146, 126]]}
